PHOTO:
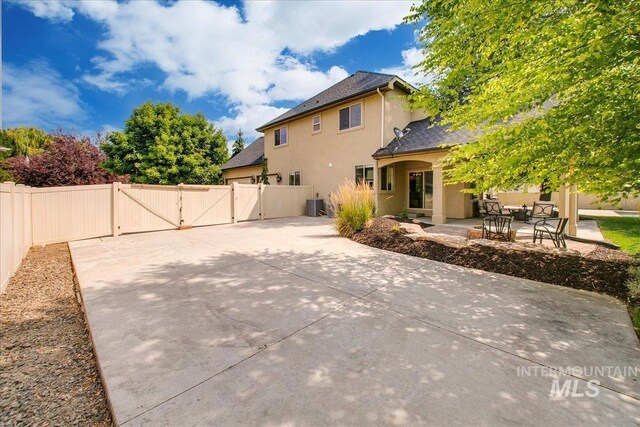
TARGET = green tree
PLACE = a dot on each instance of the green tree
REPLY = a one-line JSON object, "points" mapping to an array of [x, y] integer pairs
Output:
{"points": [[162, 145], [264, 175], [553, 89], [238, 144], [20, 141]]}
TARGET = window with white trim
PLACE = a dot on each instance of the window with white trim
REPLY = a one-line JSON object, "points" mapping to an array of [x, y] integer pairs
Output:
{"points": [[315, 124], [364, 173], [351, 117], [294, 178], [387, 178], [280, 137]]}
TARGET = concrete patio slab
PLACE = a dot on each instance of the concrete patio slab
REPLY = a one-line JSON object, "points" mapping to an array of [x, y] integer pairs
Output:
{"points": [[366, 366], [281, 322]]}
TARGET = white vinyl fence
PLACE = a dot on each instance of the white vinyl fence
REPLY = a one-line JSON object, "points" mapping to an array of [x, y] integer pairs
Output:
{"points": [[15, 228], [37, 216]]}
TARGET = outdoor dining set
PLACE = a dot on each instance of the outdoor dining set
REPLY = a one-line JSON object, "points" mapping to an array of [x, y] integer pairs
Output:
{"points": [[498, 218]]}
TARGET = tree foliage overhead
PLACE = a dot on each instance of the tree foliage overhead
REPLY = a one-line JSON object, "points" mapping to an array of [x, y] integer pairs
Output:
{"points": [[67, 160], [162, 145], [238, 144], [552, 86]]}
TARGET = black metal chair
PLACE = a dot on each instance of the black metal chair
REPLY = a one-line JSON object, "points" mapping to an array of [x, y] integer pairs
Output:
{"points": [[497, 226], [554, 231], [541, 211], [494, 207]]}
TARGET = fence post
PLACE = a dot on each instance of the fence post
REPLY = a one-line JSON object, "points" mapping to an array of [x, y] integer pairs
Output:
{"points": [[20, 230], [115, 208], [261, 199], [12, 239], [234, 190]]}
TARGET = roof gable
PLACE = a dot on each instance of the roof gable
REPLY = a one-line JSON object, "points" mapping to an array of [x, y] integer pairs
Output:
{"points": [[359, 83], [251, 155]]}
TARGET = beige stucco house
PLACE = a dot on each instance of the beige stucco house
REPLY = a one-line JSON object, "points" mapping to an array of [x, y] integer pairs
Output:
{"points": [[347, 132]]}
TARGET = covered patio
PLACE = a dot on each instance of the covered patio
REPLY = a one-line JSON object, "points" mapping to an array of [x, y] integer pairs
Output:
{"points": [[409, 174]]}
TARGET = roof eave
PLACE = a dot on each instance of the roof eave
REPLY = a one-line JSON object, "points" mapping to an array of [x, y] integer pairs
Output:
{"points": [[389, 86], [416, 151]]}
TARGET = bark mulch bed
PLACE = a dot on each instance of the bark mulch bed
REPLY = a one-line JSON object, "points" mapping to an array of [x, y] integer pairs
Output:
{"points": [[48, 373], [604, 270]]}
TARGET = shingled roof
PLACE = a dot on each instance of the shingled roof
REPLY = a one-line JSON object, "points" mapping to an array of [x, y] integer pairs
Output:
{"points": [[425, 137], [252, 155], [359, 83]]}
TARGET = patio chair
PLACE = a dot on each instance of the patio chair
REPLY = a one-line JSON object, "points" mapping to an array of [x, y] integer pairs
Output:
{"points": [[541, 211], [493, 207], [497, 226], [554, 231]]}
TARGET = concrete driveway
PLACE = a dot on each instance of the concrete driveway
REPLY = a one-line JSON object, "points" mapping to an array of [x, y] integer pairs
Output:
{"points": [[281, 322]]}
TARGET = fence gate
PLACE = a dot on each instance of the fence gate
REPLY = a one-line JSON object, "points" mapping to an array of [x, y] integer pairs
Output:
{"points": [[247, 201], [148, 208], [206, 205]]}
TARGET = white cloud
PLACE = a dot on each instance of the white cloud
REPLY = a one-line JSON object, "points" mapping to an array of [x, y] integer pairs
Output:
{"points": [[253, 57], [37, 95], [54, 10], [410, 57], [248, 118]]}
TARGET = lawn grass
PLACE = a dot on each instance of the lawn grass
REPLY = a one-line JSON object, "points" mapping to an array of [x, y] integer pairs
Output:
{"points": [[623, 231]]}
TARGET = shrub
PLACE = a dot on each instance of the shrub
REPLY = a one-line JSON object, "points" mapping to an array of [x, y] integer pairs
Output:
{"points": [[633, 283], [404, 214], [67, 160], [353, 205]]}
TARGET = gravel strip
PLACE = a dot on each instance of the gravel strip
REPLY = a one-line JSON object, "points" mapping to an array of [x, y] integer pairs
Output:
{"points": [[48, 373]]}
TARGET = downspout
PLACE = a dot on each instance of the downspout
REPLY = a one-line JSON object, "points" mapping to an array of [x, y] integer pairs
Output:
{"points": [[382, 116], [376, 183]]}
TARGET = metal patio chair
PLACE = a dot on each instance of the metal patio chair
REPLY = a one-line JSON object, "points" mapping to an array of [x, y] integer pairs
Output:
{"points": [[541, 211], [497, 226], [554, 228], [494, 207]]}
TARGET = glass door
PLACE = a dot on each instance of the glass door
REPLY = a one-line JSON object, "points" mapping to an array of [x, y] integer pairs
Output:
{"points": [[416, 189]]}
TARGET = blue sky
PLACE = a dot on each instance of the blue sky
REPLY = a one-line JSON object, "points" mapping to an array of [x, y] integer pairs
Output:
{"points": [[86, 65]]}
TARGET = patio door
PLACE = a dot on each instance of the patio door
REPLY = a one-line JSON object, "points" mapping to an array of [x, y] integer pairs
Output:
{"points": [[421, 190], [416, 185]]}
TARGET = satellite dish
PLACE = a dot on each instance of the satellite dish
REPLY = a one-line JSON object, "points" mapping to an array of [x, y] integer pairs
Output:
{"points": [[399, 134]]}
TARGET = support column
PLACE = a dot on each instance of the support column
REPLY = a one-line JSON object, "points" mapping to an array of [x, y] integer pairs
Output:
{"points": [[376, 187], [439, 216], [573, 211], [563, 203]]}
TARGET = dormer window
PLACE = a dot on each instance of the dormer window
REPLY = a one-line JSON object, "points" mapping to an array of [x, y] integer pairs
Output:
{"points": [[280, 137], [315, 124], [351, 117]]}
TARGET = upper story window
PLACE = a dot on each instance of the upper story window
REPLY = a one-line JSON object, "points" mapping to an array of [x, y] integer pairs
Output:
{"points": [[351, 117], [294, 178], [315, 124], [280, 137]]}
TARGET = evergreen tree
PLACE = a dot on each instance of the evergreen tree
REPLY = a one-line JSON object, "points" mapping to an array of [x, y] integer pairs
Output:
{"points": [[264, 175], [238, 144]]}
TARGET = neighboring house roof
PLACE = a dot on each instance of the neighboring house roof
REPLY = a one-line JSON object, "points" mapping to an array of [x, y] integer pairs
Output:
{"points": [[425, 136], [359, 83], [251, 155]]}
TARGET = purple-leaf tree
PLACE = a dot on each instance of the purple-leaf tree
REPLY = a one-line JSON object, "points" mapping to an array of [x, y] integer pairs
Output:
{"points": [[67, 160]]}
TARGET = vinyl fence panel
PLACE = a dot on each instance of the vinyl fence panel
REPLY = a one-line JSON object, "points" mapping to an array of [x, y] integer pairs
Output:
{"points": [[61, 214], [15, 228]]}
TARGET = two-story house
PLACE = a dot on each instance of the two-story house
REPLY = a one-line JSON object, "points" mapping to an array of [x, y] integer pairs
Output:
{"points": [[347, 132]]}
